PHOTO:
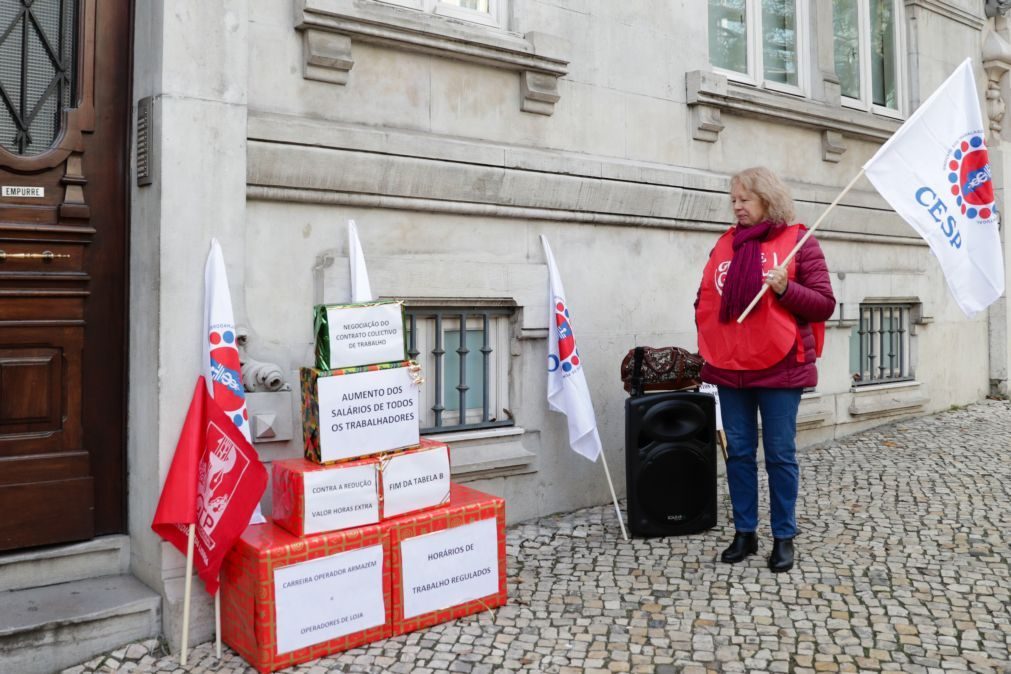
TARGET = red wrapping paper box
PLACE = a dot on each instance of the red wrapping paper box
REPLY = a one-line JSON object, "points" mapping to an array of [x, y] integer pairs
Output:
{"points": [[310, 498], [357, 412], [449, 562], [286, 600]]}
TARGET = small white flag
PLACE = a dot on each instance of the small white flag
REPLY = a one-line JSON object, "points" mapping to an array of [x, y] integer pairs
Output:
{"points": [[361, 291], [567, 389], [935, 173], [222, 369]]}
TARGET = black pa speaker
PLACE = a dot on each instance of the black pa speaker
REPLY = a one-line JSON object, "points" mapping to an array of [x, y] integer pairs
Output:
{"points": [[670, 463]]}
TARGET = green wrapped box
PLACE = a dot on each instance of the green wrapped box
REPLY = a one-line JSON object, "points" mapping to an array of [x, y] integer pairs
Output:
{"points": [[355, 335], [357, 412]]}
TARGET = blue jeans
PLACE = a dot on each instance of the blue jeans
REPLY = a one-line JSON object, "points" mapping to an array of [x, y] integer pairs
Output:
{"points": [[739, 409]]}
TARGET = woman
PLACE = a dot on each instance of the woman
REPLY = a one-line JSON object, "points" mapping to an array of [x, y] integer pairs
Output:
{"points": [[763, 364]]}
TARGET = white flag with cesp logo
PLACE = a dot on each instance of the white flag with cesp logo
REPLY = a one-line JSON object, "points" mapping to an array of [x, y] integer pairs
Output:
{"points": [[935, 173], [222, 369], [567, 389], [361, 291]]}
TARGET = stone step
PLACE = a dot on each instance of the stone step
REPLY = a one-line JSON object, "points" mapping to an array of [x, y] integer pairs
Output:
{"points": [[46, 629], [105, 556]]}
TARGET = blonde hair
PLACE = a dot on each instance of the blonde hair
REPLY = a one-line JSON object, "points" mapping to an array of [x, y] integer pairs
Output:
{"points": [[770, 189]]}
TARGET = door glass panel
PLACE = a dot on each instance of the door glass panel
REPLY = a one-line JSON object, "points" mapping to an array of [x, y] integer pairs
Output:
{"points": [[37, 71]]}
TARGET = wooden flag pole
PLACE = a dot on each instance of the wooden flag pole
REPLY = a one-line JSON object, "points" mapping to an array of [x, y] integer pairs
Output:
{"points": [[810, 231], [217, 620], [186, 596], [614, 497]]}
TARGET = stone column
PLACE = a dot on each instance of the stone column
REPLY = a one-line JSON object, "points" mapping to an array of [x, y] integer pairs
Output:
{"points": [[997, 64], [192, 60]]}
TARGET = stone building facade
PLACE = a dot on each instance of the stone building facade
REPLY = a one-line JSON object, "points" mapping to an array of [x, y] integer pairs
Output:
{"points": [[454, 137], [456, 132]]}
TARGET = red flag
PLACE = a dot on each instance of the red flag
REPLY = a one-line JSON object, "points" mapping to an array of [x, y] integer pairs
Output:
{"points": [[215, 482]]}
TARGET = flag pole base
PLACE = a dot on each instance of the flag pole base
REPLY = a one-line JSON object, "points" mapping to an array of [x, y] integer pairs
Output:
{"points": [[614, 497], [217, 622], [185, 646]]}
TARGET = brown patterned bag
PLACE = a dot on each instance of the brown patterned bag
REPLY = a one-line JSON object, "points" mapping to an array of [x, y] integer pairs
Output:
{"points": [[667, 368]]}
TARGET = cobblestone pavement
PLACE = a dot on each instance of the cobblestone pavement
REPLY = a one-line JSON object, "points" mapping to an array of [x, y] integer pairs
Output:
{"points": [[903, 565]]}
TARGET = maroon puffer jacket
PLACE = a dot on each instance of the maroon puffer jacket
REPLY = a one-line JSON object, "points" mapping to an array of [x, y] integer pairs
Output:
{"points": [[809, 298]]}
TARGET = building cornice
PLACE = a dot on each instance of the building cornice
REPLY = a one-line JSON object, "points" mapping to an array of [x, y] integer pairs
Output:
{"points": [[710, 93], [949, 11], [302, 160], [331, 27]]}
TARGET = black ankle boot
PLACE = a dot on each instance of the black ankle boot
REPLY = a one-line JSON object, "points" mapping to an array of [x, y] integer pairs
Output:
{"points": [[781, 558], [745, 543]]}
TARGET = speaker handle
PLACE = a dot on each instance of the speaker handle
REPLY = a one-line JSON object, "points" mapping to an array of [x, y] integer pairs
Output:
{"points": [[637, 385]]}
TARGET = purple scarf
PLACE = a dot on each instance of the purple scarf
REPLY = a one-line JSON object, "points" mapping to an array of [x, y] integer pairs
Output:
{"points": [[744, 277]]}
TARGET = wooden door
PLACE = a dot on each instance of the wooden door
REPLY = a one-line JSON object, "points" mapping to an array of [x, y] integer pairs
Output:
{"points": [[65, 72]]}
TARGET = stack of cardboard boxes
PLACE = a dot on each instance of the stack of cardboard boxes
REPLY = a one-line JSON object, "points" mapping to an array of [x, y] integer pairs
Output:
{"points": [[369, 538]]}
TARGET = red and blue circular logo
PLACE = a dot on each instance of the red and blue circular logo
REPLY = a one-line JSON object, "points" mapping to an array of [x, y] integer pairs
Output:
{"points": [[969, 174], [226, 374], [568, 355]]}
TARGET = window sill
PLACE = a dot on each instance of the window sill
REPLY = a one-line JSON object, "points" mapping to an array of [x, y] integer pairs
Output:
{"points": [[490, 453], [882, 400], [329, 27], [710, 93]]}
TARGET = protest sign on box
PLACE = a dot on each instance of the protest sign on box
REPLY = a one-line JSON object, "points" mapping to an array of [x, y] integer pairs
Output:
{"points": [[287, 600], [416, 479], [311, 498], [448, 562], [323, 599], [357, 412], [352, 335]]}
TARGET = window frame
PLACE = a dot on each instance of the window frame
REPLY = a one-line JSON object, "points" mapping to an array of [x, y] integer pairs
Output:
{"points": [[423, 346], [907, 313], [495, 17], [755, 51], [865, 102]]}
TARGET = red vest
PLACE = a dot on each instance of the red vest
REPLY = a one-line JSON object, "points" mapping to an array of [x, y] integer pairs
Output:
{"points": [[769, 332]]}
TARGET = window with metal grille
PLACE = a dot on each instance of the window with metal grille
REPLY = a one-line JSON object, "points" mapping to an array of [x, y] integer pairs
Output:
{"points": [[880, 344], [463, 349], [38, 40]]}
